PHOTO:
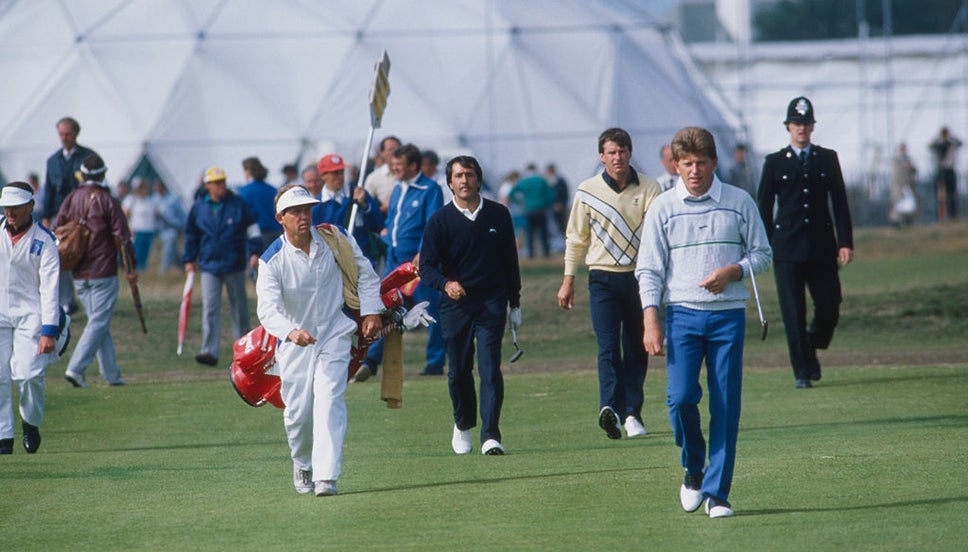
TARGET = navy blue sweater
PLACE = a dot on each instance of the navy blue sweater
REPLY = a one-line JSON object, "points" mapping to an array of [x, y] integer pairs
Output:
{"points": [[481, 255]]}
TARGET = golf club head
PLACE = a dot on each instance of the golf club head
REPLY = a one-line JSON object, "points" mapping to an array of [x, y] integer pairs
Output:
{"points": [[766, 328], [518, 353]]}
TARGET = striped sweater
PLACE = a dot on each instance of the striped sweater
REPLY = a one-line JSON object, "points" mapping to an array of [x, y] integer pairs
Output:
{"points": [[686, 238], [607, 224]]}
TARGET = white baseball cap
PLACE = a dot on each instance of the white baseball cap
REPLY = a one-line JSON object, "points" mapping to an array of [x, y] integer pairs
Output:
{"points": [[12, 196], [295, 197]]}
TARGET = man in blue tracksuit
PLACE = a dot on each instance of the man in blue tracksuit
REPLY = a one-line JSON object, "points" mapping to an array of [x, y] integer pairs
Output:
{"points": [[222, 239], [414, 200]]}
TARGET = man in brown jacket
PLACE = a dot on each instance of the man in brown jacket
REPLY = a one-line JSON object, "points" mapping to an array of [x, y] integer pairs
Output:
{"points": [[96, 275]]}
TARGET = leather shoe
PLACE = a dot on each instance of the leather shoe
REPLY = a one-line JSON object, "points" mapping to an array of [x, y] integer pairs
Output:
{"points": [[31, 438], [206, 358], [6, 446], [804, 384], [432, 371]]}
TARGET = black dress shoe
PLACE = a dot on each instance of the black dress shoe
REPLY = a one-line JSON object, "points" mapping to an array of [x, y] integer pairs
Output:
{"points": [[804, 384], [432, 371], [6, 446], [31, 438], [207, 359]]}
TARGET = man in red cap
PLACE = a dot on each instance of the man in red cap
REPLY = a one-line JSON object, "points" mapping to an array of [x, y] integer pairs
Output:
{"points": [[335, 204]]}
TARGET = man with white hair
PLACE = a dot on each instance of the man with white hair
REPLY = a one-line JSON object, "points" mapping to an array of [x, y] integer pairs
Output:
{"points": [[29, 314], [308, 279], [60, 180]]}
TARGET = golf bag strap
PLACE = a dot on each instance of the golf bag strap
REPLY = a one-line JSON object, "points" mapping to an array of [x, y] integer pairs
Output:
{"points": [[343, 251]]}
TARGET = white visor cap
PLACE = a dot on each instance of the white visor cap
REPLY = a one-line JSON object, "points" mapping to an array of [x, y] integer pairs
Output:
{"points": [[12, 196], [293, 198]]}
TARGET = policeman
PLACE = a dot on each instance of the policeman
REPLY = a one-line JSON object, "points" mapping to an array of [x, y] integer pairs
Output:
{"points": [[801, 179]]}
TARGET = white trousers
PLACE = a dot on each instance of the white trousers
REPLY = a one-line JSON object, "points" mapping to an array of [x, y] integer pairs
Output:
{"points": [[313, 388], [20, 363]]}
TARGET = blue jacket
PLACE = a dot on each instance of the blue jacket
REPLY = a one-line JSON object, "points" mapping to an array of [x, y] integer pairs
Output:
{"points": [[221, 237], [339, 214], [406, 219], [260, 196]]}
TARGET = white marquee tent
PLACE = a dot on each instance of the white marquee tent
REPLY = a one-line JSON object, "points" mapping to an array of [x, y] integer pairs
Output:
{"points": [[192, 83], [870, 95]]}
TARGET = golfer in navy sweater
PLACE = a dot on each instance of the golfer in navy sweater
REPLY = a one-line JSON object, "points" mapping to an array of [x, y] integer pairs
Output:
{"points": [[469, 255]]}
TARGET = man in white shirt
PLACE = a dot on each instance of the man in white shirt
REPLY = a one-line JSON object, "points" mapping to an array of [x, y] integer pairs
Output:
{"points": [[301, 293], [381, 181]]}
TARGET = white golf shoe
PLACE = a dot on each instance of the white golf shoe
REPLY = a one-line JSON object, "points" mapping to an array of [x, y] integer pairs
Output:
{"points": [[492, 447], [302, 480], [326, 488], [75, 379], [690, 492], [461, 441], [716, 508], [633, 427]]}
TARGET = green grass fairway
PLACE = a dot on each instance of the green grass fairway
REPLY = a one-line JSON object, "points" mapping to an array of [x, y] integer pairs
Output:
{"points": [[870, 459]]}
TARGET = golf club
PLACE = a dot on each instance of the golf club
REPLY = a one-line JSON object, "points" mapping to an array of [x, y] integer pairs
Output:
{"points": [[756, 295], [518, 353]]}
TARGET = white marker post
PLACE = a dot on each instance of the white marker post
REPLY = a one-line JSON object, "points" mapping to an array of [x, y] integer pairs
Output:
{"points": [[378, 103]]}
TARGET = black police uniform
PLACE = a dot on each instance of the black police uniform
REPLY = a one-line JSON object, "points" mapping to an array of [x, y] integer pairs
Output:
{"points": [[805, 241]]}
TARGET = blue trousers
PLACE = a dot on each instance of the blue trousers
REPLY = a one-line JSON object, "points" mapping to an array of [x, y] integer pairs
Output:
{"points": [[622, 361], [142, 249], [482, 322], [234, 283], [99, 296], [717, 338]]}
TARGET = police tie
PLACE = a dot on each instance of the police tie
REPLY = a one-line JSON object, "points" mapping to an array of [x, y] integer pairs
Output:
{"points": [[803, 161]]}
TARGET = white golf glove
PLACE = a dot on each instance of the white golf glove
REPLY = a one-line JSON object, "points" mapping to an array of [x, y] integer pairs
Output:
{"points": [[514, 318], [418, 316]]}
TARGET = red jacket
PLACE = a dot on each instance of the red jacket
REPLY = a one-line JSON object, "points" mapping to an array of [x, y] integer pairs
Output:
{"points": [[109, 227]]}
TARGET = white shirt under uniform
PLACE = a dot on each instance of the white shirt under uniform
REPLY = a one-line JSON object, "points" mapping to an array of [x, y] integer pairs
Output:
{"points": [[29, 274], [296, 291]]}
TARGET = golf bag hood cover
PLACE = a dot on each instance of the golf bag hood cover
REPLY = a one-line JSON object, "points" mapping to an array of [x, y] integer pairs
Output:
{"points": [[256, 388], [253, 355]]}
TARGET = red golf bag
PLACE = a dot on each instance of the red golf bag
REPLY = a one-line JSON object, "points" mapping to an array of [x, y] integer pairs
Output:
{"points": [[253, 355]]}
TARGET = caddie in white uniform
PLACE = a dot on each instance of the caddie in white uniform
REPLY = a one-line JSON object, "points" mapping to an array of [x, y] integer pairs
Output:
{"points": [[29, 313], [301, 301]]}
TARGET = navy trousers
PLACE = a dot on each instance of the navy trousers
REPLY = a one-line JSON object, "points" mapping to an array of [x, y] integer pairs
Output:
{"points": [[622, 361], [479, 321]]}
